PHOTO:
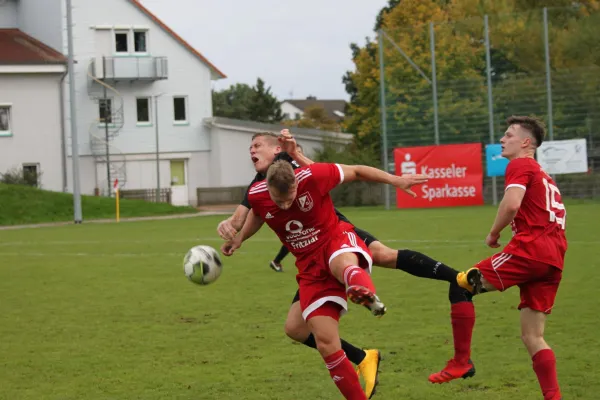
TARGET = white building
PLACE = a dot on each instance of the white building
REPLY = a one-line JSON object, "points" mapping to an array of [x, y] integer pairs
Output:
{"points": [[135, 80], [294, 108], [30, 115]]}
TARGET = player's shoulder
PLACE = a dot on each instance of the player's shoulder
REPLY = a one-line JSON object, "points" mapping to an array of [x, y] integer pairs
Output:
{"points": [[257, 187], [523, 164], [523, 161], [303, 173]]}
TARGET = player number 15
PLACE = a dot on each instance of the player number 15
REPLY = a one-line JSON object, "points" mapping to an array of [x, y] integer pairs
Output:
{"points": [[552, 205]]}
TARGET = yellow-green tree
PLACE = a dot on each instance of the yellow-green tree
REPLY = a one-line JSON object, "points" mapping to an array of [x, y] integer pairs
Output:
{"points": [[518, 68]]}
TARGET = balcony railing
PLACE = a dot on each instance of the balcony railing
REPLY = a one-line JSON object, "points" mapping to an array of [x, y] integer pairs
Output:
{"points": [[139, 68]]}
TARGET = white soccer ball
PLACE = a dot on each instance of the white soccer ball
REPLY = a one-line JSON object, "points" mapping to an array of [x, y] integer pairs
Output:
{"points": [[202, 265]]}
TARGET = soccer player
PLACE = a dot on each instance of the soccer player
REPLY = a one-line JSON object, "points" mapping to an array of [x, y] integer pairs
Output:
{"points": [[332, 261], [533, 259], [266, 147], [275, 264]]}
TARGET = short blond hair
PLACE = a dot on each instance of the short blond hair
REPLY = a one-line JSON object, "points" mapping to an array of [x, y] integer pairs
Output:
{"points": [[269, 136], [281, 176]]}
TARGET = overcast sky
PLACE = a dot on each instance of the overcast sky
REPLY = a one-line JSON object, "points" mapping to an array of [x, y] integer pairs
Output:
{"points": [[297, 47]]}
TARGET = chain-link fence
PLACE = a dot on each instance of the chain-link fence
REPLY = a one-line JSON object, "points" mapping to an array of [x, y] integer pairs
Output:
{"points": [[457, 82]]}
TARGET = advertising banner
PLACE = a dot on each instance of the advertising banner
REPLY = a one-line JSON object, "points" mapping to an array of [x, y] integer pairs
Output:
{"points": [[455, 175]]}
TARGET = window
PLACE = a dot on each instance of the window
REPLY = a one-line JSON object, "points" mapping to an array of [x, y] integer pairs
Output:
{"points": [[5, 120], [297, 116], [140, 42], [121, 42], [31, 174], [105, 110], [180, 109], [143, 110]]}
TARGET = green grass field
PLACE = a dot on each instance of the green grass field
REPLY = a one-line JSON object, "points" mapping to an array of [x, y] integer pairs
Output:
{"points": [[27, 205], [105, 312]]}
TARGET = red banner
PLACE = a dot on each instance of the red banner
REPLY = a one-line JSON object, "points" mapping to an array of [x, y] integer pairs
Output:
{"points": [[455, 174]]}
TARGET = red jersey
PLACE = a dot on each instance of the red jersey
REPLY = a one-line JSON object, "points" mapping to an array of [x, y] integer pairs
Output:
{"points": [[309, 222], [539, 226]]}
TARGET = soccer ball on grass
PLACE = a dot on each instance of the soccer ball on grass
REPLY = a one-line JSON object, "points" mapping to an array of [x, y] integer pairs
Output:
{"points": [[202, 265]]}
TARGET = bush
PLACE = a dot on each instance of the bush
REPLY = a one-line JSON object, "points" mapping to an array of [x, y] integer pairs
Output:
{"points": [[355, 193], [18, 176]]}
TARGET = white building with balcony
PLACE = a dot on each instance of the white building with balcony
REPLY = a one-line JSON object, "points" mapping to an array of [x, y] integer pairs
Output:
{"points": [[137, 80], [134, 77]]}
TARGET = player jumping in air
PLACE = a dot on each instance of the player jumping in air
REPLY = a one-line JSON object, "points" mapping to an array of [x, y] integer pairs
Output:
{"points": [[533, 259], [332, 261]]}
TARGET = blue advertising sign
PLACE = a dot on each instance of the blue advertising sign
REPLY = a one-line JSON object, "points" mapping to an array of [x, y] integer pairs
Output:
{"points": [[496, 164]]}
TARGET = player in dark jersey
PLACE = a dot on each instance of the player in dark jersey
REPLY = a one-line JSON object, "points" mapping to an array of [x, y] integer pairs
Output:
{"points": [[533, 260], [265, 148]]}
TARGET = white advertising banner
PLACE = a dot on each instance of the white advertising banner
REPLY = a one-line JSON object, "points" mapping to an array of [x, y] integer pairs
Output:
{"points": [[563, 156]]}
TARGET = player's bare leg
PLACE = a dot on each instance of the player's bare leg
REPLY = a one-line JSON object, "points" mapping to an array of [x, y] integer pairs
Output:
{"points": [[544, 361], [359, 286], [326, 332], [463, 321]]}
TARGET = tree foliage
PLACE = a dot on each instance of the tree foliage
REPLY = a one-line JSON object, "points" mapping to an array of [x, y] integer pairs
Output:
{"points": [[518, 68], [253, 103]]}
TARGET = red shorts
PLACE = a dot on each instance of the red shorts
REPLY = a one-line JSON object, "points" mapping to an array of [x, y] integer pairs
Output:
{"points": [[538, 281], [315, 280]]}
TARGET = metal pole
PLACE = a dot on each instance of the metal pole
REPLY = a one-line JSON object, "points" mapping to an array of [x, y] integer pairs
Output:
{"points": [[157, 150], [106, 118], [488, 70], [548, 77], [384, 147], [77, 212], [436, 126]]}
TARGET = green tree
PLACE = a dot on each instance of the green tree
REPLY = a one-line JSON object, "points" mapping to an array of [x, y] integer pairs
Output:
{"points": [[518, 65], [233, 102], [241, 101], [264, 106]]}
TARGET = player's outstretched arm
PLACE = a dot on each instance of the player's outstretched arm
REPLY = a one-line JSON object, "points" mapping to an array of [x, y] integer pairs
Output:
{"points": [[370, 174], [228, 228], [507, 210], [251, 226]]}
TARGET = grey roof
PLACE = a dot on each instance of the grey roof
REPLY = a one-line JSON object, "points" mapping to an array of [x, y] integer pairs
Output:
{"points": [[275, 128]]}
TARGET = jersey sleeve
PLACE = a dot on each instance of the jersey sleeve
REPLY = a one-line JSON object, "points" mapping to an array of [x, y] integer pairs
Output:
{"points": [[327, 176], [245, 202], [518, 174]]}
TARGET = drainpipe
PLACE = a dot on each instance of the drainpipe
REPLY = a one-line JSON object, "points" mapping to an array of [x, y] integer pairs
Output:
{"points": [[63, 144]]}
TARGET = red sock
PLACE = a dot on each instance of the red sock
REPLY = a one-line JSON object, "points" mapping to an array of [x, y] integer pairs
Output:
{"points": [[463, 321], [544, 365], [355, 275], [344, 376]]}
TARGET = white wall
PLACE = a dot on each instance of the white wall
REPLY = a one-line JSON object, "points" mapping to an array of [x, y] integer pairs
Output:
{"points": [[35, 125], [230, 155], [9, 15], [290, 110], [44, 20]]}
